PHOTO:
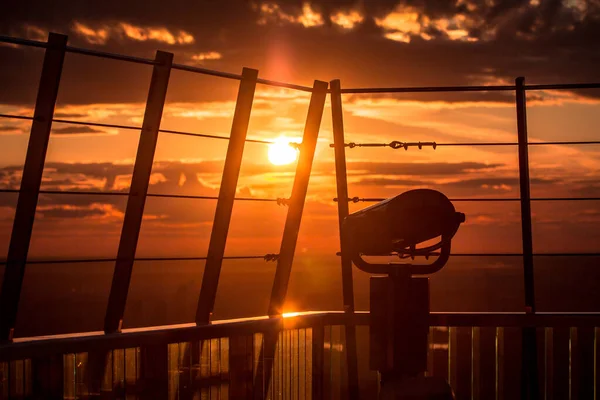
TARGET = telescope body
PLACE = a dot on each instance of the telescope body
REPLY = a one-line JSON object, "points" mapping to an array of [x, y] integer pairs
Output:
{"points": [[397, 226], [406, 226]]}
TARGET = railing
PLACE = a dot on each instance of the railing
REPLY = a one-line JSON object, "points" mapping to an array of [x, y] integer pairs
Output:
{"points": [[558, 353], [529, 382], [479, 354], [55, 50]]}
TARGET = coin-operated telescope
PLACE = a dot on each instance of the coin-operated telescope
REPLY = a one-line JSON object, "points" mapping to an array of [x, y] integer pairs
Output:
{"points": [[417, 223]]}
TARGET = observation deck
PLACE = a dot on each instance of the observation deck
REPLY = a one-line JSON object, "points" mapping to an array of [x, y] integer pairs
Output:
{"points": [[317, 354]]}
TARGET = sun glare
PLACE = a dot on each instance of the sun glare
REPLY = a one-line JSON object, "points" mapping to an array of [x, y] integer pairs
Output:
{"points": [[281, 153]]}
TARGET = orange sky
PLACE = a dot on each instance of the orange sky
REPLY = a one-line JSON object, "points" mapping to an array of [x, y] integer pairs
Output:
{"points": [[363, 43]]}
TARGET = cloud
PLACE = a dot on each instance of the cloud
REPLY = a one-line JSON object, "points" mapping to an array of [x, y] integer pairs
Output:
{"points": [[10, 130], [272, 12], [207, 56], [417, 169], [94, 211], [80, 130], [92, 36], [35, 33], [118, 30], [160, 34], [347, 19], [463, 187]]}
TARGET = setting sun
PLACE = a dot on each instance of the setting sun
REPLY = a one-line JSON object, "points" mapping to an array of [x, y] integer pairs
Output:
{"points": [[281, 153]]}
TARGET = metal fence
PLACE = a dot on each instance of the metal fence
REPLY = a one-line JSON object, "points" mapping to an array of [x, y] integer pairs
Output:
{"points": [[162, 64]]}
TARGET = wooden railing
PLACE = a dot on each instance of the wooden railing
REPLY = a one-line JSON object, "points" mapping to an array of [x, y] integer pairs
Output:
{"points": [[299, 356]]}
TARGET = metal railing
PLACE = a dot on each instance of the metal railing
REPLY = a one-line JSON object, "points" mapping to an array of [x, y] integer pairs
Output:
{"points": [[529, 383], [478, 353], [55, 50], [150, 351]]}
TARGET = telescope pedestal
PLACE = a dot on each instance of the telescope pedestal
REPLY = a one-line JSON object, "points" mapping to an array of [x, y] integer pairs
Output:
{"points": [[399, 327]]}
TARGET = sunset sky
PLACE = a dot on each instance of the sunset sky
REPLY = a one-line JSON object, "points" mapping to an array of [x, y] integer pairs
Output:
{"points": [[363, 43]]}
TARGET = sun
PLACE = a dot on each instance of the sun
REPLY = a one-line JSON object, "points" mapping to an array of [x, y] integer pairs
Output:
{"points": [[281, 153]]}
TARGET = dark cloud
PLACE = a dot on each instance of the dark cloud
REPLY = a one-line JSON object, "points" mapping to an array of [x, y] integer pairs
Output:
{"points": [[550, 42], [417, 169], [62, 115], [492, 183], [69, 212], [78, 130]]}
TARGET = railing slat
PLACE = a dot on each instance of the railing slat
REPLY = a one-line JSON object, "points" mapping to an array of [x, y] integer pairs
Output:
{"points": [[229, 180], [318, 362], [584, 360], [264, 374], [14, 272], [136, 201], [4, 379], [154, 373], [452, 357], [463, 372], [440, 340], [118, 372], [596, 353], [511, 364], [542, 360], [560, 363], [298, 197], [48, 377], [98, 368], [485, 385], [240, 367]]}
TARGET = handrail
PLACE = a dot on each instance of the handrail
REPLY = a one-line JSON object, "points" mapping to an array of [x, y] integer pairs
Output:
{"points": [[40, 346]]}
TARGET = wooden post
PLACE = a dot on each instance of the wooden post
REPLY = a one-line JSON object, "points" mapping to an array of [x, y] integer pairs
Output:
{"points": [[231, 172], [137, 192], [296, 206], [14, 271]]}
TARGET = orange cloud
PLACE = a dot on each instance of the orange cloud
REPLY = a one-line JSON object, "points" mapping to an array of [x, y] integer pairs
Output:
{"points": [[309, 17], [272, 12], [92, 36], [35, 33], [211, 55], [405, 22], [100, 35], [347, 20], [159, 34]]}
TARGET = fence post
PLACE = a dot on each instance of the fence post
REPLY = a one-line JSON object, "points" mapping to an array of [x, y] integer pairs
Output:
{"points": [[529, 378], [229, 180], [298, 197], [30, 184], [337, 119], [140, 180]]}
